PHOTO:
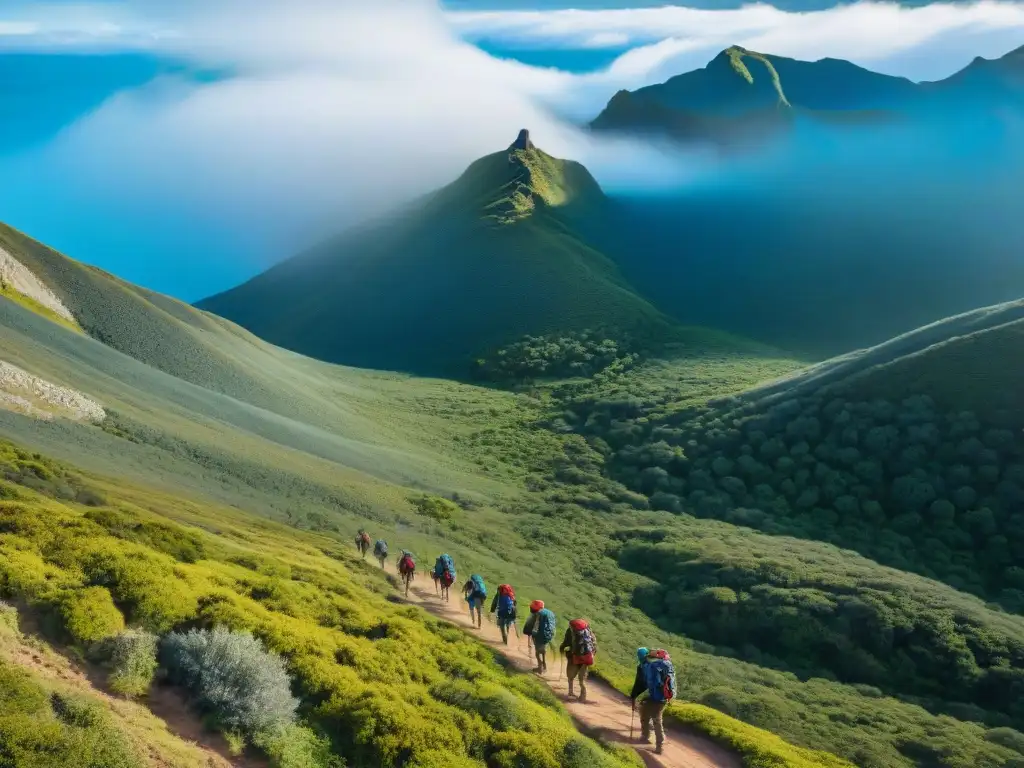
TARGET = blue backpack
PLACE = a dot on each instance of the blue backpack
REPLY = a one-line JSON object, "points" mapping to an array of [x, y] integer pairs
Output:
{"points": [[479, 588], [545, 631], [506, 607], [381, 548], [661, 679], [444, 564]]}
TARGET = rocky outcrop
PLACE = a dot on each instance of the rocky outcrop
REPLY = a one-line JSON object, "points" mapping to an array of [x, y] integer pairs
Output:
{"points": [[523, 140], [25, 393], [17, 276]]}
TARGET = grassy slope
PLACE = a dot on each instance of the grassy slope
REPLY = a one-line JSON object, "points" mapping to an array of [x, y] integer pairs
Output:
{"points": [[494, 256], [388, 685], [189, 440], [958, 373], [401, 434]]}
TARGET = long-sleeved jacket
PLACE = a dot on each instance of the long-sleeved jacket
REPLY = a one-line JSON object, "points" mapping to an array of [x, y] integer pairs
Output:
{"points": [[494, 603]]}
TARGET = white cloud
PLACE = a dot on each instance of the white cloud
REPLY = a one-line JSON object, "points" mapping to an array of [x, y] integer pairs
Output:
{"points": [[872, 34]]}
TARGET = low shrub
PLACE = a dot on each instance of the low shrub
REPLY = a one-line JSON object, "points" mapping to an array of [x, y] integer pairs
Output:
{"points": [[132, 660], [89, 615], [295, 746], [231, 676]]}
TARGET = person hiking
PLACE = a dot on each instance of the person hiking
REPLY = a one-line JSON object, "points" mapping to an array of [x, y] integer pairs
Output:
{"points": [[363, 542], [540, 628], [406, 569], [504, 605], [476, 592], [655, 677], [579, 646], [444, 572], [380, 551]]}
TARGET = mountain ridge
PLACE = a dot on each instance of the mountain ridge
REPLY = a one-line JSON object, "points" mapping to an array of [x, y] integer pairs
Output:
{"points": [[506, 250], [704, 104]]}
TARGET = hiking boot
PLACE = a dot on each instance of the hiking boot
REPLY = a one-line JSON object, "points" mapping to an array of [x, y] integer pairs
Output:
{"points": [[645, 738], [582, 699], [658, 750], [537, 670], [571, 691]]}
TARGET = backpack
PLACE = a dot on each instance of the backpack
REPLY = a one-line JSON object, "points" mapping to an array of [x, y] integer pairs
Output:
{"points": [[584, 645], [444, 568], [364, 538], [479, 588], [545, 631], [506, 606], [661, 677], [381, 548], [406, 564]]}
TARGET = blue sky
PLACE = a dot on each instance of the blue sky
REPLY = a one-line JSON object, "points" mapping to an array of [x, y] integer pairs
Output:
{"points": [[186, 146]]}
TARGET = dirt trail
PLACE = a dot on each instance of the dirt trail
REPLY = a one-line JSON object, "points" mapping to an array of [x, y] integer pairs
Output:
{"points": [[167, 709], [606, 713]]}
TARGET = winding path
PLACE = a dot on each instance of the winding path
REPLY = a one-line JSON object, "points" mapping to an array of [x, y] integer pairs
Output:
{"points": [[606, 713]]}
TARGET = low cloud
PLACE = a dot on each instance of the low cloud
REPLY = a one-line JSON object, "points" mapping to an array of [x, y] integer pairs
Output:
{"points": [[920, 42]]}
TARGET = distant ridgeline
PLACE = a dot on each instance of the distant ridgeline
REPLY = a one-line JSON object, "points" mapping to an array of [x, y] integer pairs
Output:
{"points": [[743, 96]]}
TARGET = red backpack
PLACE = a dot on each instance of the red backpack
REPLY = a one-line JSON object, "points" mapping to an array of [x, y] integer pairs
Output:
{"points": [[506, 589], [584, 644], [406, 564]]}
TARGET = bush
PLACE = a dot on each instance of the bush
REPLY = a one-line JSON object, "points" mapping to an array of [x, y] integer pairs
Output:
{"points": [[8, 617], [1006, 737], [232, 677], [294, 746], [89, 615], [436, 508], [133, 663]]}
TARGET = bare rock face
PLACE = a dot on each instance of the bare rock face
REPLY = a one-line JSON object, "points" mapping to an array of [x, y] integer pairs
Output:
{"points": [[22, 392], [522, 140], [16, 275]]}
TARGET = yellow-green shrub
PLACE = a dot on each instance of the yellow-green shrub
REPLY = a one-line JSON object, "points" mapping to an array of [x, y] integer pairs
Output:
{"points": [[89, 614]]}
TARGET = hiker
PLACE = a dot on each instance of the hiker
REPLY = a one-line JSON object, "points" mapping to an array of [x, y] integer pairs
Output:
{"points": [[380, 551], [444, 573], [656, 677], [579, 646], [363, 542], [406, 569], [504, 605], [476, 592], [540, 627]]}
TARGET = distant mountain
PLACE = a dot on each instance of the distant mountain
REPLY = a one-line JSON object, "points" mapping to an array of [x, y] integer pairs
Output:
{"points": [[741, 95], [991, 82], [506, 250]]}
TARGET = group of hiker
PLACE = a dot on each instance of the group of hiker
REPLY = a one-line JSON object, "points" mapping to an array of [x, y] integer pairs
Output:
{"points": [[655, 682]]}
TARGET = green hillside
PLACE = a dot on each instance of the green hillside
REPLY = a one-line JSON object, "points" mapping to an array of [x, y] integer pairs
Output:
{"points": [[520, 486], [501, 253], [910, 453]]}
